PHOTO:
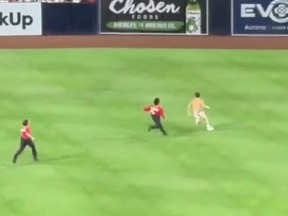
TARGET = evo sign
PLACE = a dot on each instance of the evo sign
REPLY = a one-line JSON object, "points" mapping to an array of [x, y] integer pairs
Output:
{"points": [[20, 19], [260, 17]]}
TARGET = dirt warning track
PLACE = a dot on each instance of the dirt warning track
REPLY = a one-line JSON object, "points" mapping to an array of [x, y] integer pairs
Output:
{"points": [[144, 41]]}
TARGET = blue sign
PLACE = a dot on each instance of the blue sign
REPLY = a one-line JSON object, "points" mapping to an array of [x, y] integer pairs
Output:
{"points": [[260, 17]]}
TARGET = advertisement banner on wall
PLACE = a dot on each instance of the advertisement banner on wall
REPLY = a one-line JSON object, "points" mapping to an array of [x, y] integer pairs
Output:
{"points": [[154, 16], [259, 17], [20, 19]]}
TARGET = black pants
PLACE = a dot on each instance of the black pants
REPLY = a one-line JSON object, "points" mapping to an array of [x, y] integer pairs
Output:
{"points": [[23, 144], [157, 124]]}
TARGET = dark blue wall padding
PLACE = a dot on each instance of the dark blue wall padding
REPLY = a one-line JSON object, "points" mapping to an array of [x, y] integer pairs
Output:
{"points": [[56, 19], [69, 19], [220, 17], [84, 18]]}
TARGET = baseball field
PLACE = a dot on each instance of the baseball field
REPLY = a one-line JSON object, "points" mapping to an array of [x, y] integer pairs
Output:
{"points": [[96, 156]]}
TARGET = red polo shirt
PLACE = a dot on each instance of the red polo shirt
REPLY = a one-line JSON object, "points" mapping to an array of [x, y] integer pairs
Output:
{"points": [[25, 132], [155, 110]]}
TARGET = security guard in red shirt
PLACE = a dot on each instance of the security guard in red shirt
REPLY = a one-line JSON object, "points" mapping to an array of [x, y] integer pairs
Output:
{"points": [[156, 112], [26, 140]]}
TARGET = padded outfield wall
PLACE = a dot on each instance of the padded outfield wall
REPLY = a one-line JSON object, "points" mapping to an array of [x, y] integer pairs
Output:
{"points": [[137, 21], [206, 17]]}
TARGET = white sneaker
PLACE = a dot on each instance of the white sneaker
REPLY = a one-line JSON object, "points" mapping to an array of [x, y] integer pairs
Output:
{"points": [[209, 128]]}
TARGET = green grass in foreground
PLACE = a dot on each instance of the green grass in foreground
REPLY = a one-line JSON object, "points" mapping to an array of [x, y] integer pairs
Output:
{"points": [[97, 157]]}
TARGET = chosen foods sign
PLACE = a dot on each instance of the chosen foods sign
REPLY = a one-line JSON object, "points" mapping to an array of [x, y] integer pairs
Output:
{"points": [[153, 16]]}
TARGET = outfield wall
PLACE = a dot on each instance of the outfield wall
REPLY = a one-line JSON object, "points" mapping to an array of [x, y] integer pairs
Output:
{"points": [[164, 17]]}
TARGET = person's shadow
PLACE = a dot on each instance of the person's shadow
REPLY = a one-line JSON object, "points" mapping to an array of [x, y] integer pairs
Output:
{"points": [[229, 126], [61, 158]]}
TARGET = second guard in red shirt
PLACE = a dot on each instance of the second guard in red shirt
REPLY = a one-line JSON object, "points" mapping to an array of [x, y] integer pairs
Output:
{"points": [[156, 112]]}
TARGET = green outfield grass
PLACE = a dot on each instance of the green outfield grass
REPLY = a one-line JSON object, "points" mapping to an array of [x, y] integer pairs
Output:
{"points": [[96, 156]]}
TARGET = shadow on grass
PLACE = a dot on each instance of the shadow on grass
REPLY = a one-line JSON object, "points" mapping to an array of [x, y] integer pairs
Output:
{"points": [[179, 130], [61, 158], [229, 126]]}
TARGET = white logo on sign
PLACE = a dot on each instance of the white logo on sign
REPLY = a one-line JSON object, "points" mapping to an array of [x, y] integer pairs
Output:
{"points": [[129, 7], [153, 110], [277, 11]]}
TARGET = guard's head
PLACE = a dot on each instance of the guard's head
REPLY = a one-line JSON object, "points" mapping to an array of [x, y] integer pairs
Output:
{"points": [[25, 122], [197, 94], [156, 101]]}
